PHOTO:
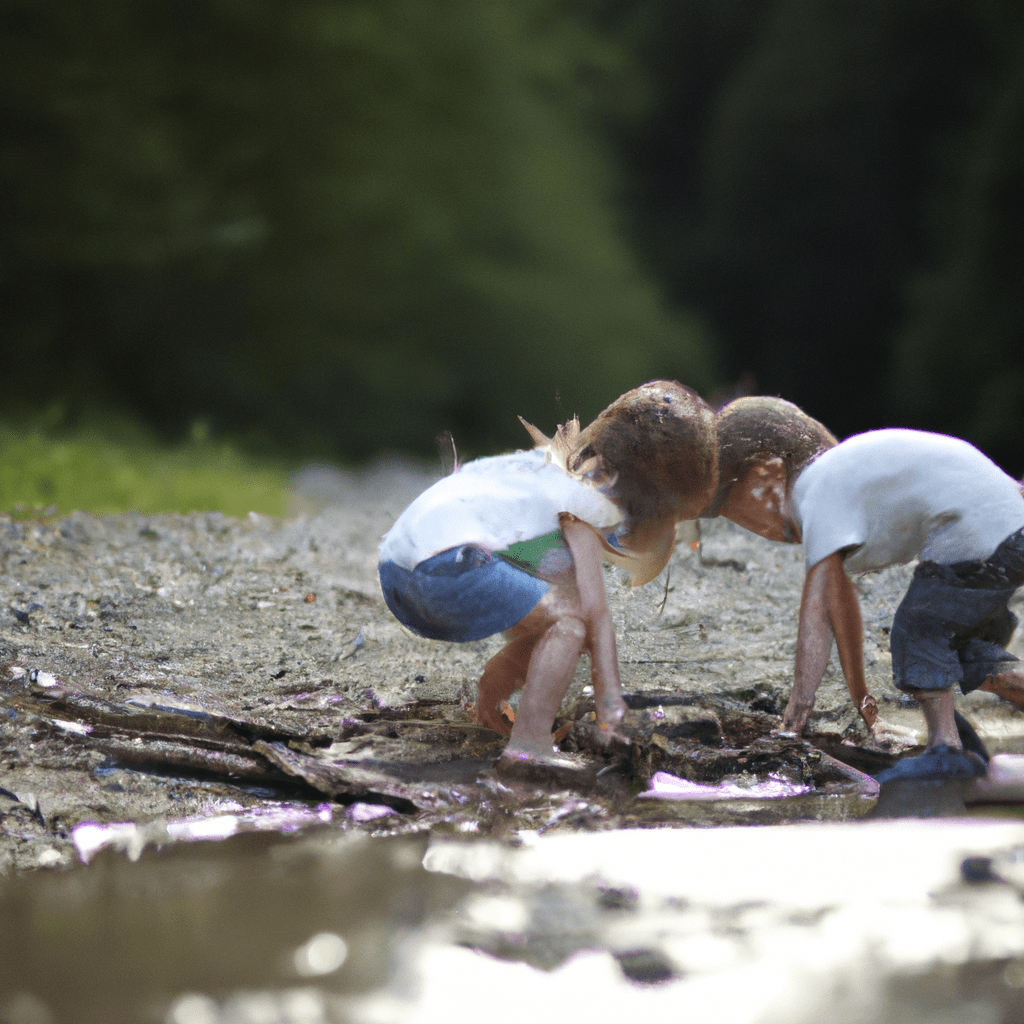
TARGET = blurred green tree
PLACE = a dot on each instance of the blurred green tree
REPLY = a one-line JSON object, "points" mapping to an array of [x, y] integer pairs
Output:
{"points": [[339, 223], [791, 212], [958, 362]]}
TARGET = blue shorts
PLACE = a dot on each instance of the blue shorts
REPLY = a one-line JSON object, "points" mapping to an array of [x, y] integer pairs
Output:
{"points": [[954, 622]]}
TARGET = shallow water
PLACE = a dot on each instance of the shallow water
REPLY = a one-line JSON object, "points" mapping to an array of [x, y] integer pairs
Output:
{"points": [[257, 913], [755, 924]]}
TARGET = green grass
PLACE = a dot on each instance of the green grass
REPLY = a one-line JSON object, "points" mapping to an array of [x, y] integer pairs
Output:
{"points": [[120, 467]]}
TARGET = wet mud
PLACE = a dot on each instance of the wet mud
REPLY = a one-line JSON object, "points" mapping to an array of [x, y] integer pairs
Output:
{"points": [[204, 695]]}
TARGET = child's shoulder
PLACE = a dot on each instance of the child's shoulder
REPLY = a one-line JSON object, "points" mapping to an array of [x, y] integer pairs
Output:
{"points": [[897, 451], [900, 493], [904, 442]]}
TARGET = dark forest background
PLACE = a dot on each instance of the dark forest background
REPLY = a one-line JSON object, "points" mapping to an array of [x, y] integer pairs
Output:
{"points": [[335, 227]]}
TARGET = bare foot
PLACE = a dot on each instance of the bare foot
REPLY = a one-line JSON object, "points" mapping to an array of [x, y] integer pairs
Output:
{"points": [[544, 768]]}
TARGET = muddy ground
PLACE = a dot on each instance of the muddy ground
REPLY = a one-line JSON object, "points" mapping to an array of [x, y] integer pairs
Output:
{"points": [[159, 666], [165, 679]]}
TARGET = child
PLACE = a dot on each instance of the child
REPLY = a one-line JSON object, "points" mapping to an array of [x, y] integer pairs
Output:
{"points": [[879, 499], [514, 544]]}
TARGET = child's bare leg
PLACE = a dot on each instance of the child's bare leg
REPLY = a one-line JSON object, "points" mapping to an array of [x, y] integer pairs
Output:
{"points": [[938, 707], [609, 705], [552, 665], [945, 760], [502, 676], [1009, 684]]}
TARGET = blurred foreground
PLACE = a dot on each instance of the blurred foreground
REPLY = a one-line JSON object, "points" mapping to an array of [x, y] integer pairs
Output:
{"points": [[741, 926]]}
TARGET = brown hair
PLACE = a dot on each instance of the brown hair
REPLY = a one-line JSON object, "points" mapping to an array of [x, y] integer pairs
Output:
{"points": [[658, 445], [753, 430]]}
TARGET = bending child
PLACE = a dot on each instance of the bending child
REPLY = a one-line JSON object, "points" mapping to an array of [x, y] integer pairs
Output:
{"points": [[878, 499], [514, 544]]}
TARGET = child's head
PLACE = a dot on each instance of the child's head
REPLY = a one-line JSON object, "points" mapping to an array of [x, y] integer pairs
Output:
{"points": [[763, 443], [656, 444]]}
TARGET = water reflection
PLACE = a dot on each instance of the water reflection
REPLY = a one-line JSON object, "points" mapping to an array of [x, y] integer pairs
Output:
{"points": [[227, 931], [323, 954], [325, 926], [132, 838]]}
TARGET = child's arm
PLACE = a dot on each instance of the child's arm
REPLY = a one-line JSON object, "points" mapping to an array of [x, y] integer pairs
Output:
{"points": [[587, 551], [546, 646], [844, 614], [829, 607]]}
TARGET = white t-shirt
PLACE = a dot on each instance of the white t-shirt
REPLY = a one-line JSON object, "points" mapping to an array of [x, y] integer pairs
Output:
{"points": [[494, 502], [902, 494]]}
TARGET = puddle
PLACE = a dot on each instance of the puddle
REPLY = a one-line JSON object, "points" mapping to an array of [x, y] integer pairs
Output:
{"points": [[252, 914], [321, 927]]}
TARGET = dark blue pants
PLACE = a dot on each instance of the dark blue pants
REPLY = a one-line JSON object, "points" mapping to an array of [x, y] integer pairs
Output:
{"points": [[953, 624]]}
